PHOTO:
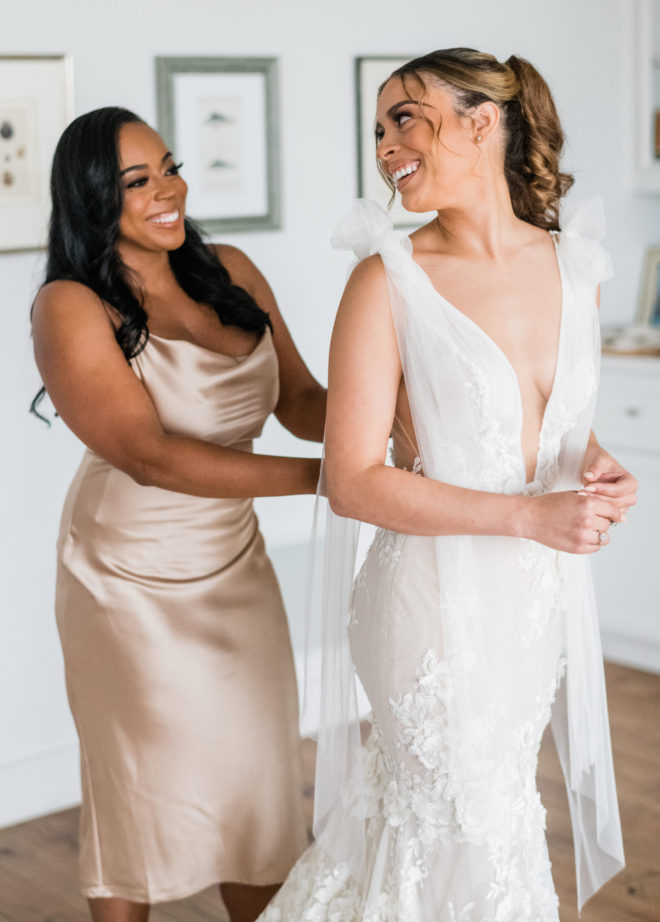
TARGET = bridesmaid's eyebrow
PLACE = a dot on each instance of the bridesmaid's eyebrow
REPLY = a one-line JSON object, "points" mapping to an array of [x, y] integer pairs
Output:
{"points": [[145, 166]]}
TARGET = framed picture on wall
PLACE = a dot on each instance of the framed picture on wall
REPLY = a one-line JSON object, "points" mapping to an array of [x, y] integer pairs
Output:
{"points": [[648, 310], [644, 28], [36, 105], [370, 73], [220, 117]]}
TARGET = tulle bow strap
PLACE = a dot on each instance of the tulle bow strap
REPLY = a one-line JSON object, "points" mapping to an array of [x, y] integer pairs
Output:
{"points": [[367, 229], [582, 228]]}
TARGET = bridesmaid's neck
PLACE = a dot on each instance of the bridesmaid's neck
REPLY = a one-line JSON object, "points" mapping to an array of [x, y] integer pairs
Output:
{"points": [[151, 269]]}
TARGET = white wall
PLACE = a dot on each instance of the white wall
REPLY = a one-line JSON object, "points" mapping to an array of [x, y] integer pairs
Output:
{"points": [[580, 45]]}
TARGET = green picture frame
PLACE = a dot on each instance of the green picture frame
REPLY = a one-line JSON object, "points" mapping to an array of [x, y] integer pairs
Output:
{"points": [[220, 115]]}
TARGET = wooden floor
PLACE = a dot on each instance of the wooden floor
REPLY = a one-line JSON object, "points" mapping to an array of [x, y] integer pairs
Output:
{"points": [[38, 870]]}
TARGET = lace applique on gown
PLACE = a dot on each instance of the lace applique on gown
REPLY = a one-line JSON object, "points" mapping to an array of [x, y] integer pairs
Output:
{"points": [[461, 642]]}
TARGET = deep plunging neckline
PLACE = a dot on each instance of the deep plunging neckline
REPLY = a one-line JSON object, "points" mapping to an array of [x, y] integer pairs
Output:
{"points": [[497, 350]]}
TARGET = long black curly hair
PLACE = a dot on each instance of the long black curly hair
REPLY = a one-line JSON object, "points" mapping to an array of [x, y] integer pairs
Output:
{"points": [[87, 198]]}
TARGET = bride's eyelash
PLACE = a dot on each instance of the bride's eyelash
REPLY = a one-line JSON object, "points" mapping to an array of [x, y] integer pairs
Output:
{"points": [[175, 168], [396, 118]]}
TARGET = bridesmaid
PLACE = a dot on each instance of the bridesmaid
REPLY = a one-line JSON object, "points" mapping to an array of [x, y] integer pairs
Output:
{"points": [[165, 357]]}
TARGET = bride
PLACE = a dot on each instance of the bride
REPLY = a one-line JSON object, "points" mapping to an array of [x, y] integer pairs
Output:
{"points": [[474, 344]]}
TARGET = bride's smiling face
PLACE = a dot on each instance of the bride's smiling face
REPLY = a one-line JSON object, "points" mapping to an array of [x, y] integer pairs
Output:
{"points": [[424, 145]]}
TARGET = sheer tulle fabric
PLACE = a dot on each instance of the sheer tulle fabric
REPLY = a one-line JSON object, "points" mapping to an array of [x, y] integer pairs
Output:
{"points": [[461, 642]]}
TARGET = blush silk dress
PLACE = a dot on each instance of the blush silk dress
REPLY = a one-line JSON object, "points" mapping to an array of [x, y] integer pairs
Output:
{"points": [[465, 645], [178, 660]]}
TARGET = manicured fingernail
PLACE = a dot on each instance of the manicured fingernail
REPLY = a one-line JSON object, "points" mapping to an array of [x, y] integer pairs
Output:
{"points": [[623, 518], [591, 489], [589, 475]]}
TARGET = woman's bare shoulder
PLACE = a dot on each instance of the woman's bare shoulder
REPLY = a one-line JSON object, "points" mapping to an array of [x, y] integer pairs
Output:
{"points": [[366, 297], [368, 276], [63, 302], [238, 264], [61, 292]]}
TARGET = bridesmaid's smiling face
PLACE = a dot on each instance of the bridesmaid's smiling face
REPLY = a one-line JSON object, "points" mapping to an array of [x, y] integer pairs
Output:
{"points": [[153, 207], [424, 145]]}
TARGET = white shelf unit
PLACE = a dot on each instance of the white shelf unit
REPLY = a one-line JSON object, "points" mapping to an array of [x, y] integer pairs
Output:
{"points": [[646, 58], [627, 572]]}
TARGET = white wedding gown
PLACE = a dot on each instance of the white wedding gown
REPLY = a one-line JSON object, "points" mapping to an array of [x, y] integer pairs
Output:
{"points": [[461, 642]]}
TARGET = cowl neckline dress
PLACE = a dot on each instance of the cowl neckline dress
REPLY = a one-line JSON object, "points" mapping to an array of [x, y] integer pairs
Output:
{"points": [[178, 661]]}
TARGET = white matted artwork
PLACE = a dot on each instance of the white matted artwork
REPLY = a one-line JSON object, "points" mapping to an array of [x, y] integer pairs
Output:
{"points": [[19, 176], [370, 73], [219, 116], [36, 105], [221, 121]]}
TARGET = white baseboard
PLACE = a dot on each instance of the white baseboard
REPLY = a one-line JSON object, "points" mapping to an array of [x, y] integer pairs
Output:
{"points": [[38, 783], [631, 651]]}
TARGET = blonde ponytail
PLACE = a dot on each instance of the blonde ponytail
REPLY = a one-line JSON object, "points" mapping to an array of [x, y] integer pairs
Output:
{"points": [[533, 151]]}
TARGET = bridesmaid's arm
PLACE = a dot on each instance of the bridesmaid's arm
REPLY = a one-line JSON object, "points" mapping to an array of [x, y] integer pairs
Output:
{"points": [[301, 407], [103, 402], [365, 374]]}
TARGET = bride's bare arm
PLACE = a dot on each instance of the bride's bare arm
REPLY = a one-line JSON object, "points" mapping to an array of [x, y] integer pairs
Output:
{"points": [[364, 377]]}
